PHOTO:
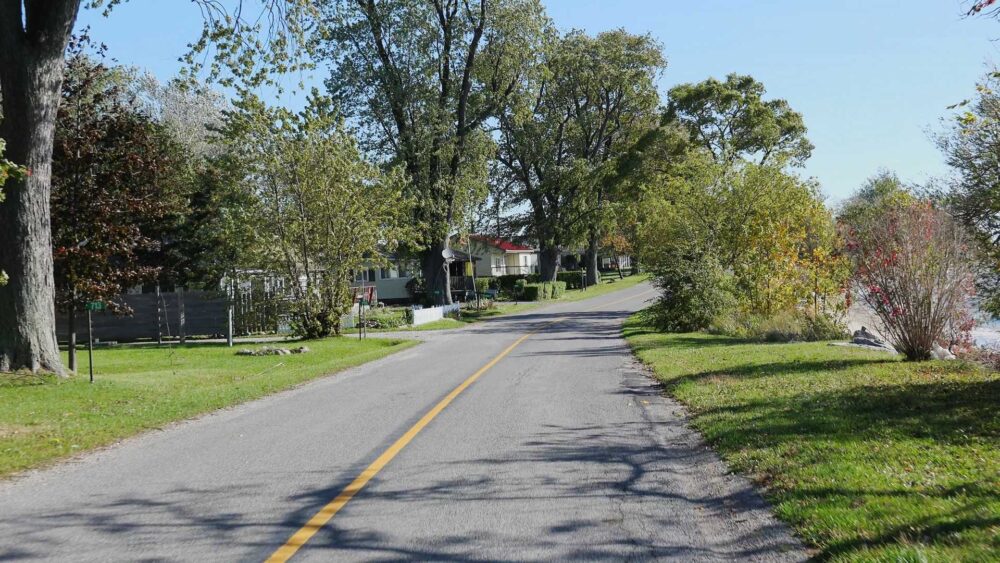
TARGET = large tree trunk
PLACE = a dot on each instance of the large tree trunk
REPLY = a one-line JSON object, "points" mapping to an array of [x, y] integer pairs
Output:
{"points": [[31, 64], [435, 272], [593, 274], [548, 262]]}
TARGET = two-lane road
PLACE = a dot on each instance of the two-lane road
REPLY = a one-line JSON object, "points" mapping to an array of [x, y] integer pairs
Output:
{"points": [[530, 437]]}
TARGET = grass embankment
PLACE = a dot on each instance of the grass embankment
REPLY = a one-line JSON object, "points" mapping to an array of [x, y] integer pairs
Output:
{"points": [[868, 457], [140, 388]]}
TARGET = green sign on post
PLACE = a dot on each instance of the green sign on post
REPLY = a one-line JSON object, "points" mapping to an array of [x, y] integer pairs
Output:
{"points": [[91, 307]]}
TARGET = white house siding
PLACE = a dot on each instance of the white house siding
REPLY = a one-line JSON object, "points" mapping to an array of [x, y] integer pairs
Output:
{"points": [[497, 262]]}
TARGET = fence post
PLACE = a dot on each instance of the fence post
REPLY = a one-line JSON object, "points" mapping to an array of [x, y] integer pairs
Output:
{"points": [[182, 333], [159, 318], [229, 314]]}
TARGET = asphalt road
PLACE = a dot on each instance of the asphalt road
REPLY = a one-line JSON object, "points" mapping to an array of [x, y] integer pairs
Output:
{"points": [[562, 450]]}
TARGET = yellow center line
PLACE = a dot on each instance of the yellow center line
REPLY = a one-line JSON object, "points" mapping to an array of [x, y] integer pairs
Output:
{"points": [[325, 514]]}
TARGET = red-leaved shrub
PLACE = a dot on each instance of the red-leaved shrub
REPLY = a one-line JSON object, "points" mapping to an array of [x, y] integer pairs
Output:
{"points": [[913, 265]]}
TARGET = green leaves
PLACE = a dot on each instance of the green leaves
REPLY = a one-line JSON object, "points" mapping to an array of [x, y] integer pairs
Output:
{"points": [[118, 185], [8, 170], [733, 122], [321, 211], [580, 110]]}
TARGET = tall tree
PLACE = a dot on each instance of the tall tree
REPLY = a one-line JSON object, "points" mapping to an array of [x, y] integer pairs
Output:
{"points": [[972, 148], [589, 101], [422, 79], [731, 120], [117, 176], [323, 211], [33, 38]]}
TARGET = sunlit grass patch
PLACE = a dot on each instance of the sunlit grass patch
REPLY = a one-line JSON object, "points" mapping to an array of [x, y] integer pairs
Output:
{"points": [[868, 457]]}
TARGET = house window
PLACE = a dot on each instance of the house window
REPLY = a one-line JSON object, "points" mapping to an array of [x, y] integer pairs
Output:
{"points": [[385, 273]]}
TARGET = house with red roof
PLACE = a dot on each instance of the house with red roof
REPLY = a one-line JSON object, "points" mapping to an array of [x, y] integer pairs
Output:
{"points": [[499, 257]]}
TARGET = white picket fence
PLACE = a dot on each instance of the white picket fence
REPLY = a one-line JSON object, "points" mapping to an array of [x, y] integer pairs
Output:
{"points": [[431, 314]]}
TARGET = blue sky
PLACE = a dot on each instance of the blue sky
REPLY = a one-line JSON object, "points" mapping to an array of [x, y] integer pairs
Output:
{"points": [[872, 77]]}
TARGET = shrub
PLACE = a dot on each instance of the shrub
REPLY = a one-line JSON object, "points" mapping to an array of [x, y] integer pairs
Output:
{"points": [[387, 318], [507, 283], [483, 284], [790, 325], [823, 327], [558, 288], [573, 280], [533, 292], [318, 325], [484, 305], [913, 266], [695, 291], [518, 289]]}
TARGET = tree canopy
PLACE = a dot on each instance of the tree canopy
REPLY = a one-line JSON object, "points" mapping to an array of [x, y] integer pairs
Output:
{"points": [[421, 80], [587, 102], [731, 120]]}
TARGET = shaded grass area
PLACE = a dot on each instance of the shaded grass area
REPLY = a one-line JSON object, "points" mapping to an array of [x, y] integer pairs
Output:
{"points": [[868, 457], [43, 419]]}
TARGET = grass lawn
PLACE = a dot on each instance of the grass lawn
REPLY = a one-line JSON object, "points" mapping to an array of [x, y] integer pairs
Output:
{"points": [[868, 457], [440, 324], [139, 388], [608, 284]]}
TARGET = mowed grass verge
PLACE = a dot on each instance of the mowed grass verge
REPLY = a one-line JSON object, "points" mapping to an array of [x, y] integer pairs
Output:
{"points": [[868, 457], [141, 388]]}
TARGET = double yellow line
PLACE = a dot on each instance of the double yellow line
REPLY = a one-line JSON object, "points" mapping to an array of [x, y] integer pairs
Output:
{"points": [[325, 514]]}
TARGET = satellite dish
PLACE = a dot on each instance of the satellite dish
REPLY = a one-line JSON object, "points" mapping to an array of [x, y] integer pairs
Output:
{"points": [[448, 255]]}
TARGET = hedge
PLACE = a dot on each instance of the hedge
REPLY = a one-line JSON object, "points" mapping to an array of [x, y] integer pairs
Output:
{"points": [[543, 291], [558, 288], [572, 279], [508, 282]]}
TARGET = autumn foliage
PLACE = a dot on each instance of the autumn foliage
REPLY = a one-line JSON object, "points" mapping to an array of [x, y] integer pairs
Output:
{"points": [[914, 268]]}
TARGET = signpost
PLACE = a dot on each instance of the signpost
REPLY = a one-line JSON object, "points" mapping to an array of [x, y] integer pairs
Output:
{"points": [[91, 307], [364, 295]]}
